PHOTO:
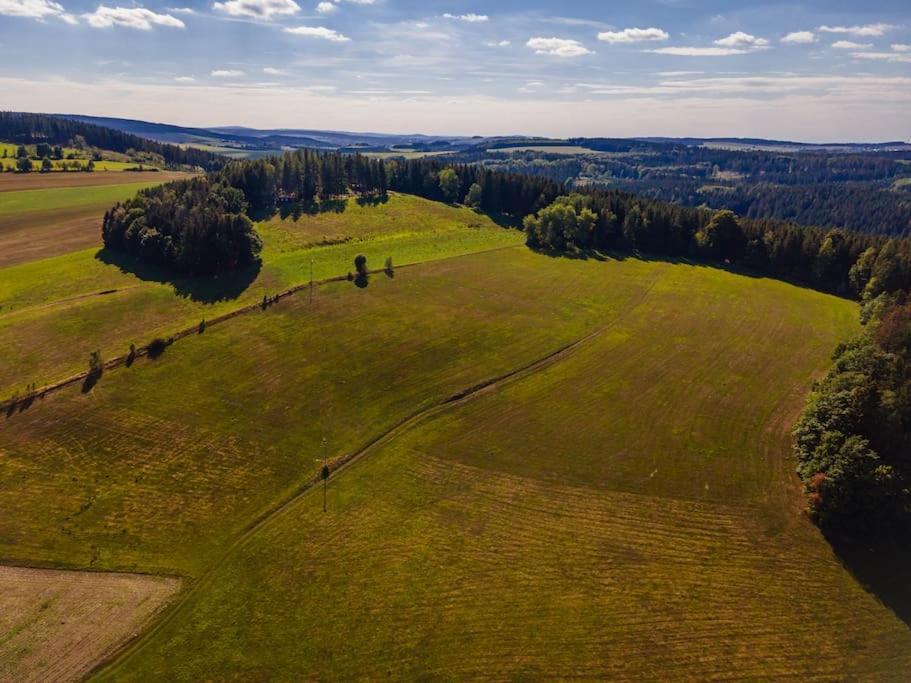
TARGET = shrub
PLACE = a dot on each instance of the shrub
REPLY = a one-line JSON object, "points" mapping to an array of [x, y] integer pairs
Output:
{"points": [[360, 264]]}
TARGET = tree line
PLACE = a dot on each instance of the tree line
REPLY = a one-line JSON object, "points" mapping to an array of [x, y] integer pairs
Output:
{"points": [[839, 261], [26, 128], [853, 440]]}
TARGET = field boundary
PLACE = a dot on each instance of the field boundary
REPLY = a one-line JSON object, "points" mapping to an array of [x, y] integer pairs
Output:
{"points": [[344, 462], [22, 403]]}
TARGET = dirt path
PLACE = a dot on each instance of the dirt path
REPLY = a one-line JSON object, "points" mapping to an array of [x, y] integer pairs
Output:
{"points": [[56, 625], [344, 462]]}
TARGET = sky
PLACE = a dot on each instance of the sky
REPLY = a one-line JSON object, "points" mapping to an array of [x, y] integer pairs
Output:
{"points": [[813, 71]]}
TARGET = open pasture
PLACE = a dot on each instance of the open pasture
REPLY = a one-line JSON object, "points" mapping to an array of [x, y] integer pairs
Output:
{"points": [[624, 509], [55, 311], [247, 404], [56, 625], [43, 215]]}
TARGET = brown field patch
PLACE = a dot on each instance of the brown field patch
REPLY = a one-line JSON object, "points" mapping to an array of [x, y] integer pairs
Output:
{"points": [[10, 182], [55, 625]]}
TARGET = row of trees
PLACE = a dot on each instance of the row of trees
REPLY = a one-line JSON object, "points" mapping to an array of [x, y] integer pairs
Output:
{"points": [[853, 441], [839, 261], [25, 128]]}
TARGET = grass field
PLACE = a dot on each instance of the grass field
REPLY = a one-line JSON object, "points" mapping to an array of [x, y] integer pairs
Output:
{"points": [[51, 315], [543, 468], [549, 526], [51, 199], [546, 526]]}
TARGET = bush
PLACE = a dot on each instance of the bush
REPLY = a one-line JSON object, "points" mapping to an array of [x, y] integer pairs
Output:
{"points": [[360, 264]]}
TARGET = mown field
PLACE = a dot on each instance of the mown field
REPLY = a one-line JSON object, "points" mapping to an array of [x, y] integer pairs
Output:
{"points": [[43, 215], [542, 467], [54, 311], [626, 509]]}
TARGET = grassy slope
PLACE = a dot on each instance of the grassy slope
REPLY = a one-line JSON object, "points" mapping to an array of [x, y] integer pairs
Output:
{"points": [[246, 404], [626, 511], [50, 319]]}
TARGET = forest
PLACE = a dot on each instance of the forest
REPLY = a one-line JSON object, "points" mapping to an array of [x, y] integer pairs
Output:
{"points": [[27, 129], [863, 191]]}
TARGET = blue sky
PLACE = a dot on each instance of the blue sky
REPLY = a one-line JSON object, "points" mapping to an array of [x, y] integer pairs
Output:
{"points": [[811, 71]]}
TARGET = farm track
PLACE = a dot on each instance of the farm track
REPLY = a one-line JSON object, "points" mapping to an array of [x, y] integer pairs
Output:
{"points": [[10, 405], [340, 464]]}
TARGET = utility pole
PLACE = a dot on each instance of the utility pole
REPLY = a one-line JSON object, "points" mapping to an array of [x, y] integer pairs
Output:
{"points": [[324, 474]]}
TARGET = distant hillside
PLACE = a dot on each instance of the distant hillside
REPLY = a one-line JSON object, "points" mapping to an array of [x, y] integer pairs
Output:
{"points": [[28, 128]]}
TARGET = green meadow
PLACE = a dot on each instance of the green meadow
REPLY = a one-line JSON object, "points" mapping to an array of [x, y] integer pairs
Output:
{"points": [[542, 467]]}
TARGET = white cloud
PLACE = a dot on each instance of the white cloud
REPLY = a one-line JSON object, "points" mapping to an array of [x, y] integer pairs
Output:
{"points": [[35, 9], [271, 71], [227, 73], [884, 56], [131, 17], [698, 51], [326, 8], [743, 40], [799, 38], [182, 10], [557, 47], [502, 43], [470, 18], [258, 9], [899, 47], [318, 32], [633, 35], [866, 31], [850, 45], [185, 79]]}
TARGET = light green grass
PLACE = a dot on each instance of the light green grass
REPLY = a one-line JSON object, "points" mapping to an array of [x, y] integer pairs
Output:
{"points": [[625, 512], [50, 320], [51, 199]]}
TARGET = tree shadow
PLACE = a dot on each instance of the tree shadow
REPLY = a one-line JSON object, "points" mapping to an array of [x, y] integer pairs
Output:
{"points": [[372, 200], [203, 289], [882, 567]]}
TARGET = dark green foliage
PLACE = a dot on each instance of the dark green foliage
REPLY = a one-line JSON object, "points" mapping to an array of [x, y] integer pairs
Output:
{"points": [[24, 165], [46, 165], [21, 152], [47, 130], [822, 258], [853, 441], [194, 226], [360, 264], [830, 188]]}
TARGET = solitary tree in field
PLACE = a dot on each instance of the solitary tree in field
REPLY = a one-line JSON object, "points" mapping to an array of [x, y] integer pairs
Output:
{"points": [[46, 165], [388, 266], [21, 152], [24, 165], [360, 264], [449, 184], [473, 198]]}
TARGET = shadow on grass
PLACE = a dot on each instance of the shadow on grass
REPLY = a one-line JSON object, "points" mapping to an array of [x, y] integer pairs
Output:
{"points": [[203, 289], [883, 568]]}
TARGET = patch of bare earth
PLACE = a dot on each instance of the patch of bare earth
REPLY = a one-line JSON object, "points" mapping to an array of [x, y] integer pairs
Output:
{"points": [[56, 625]]}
